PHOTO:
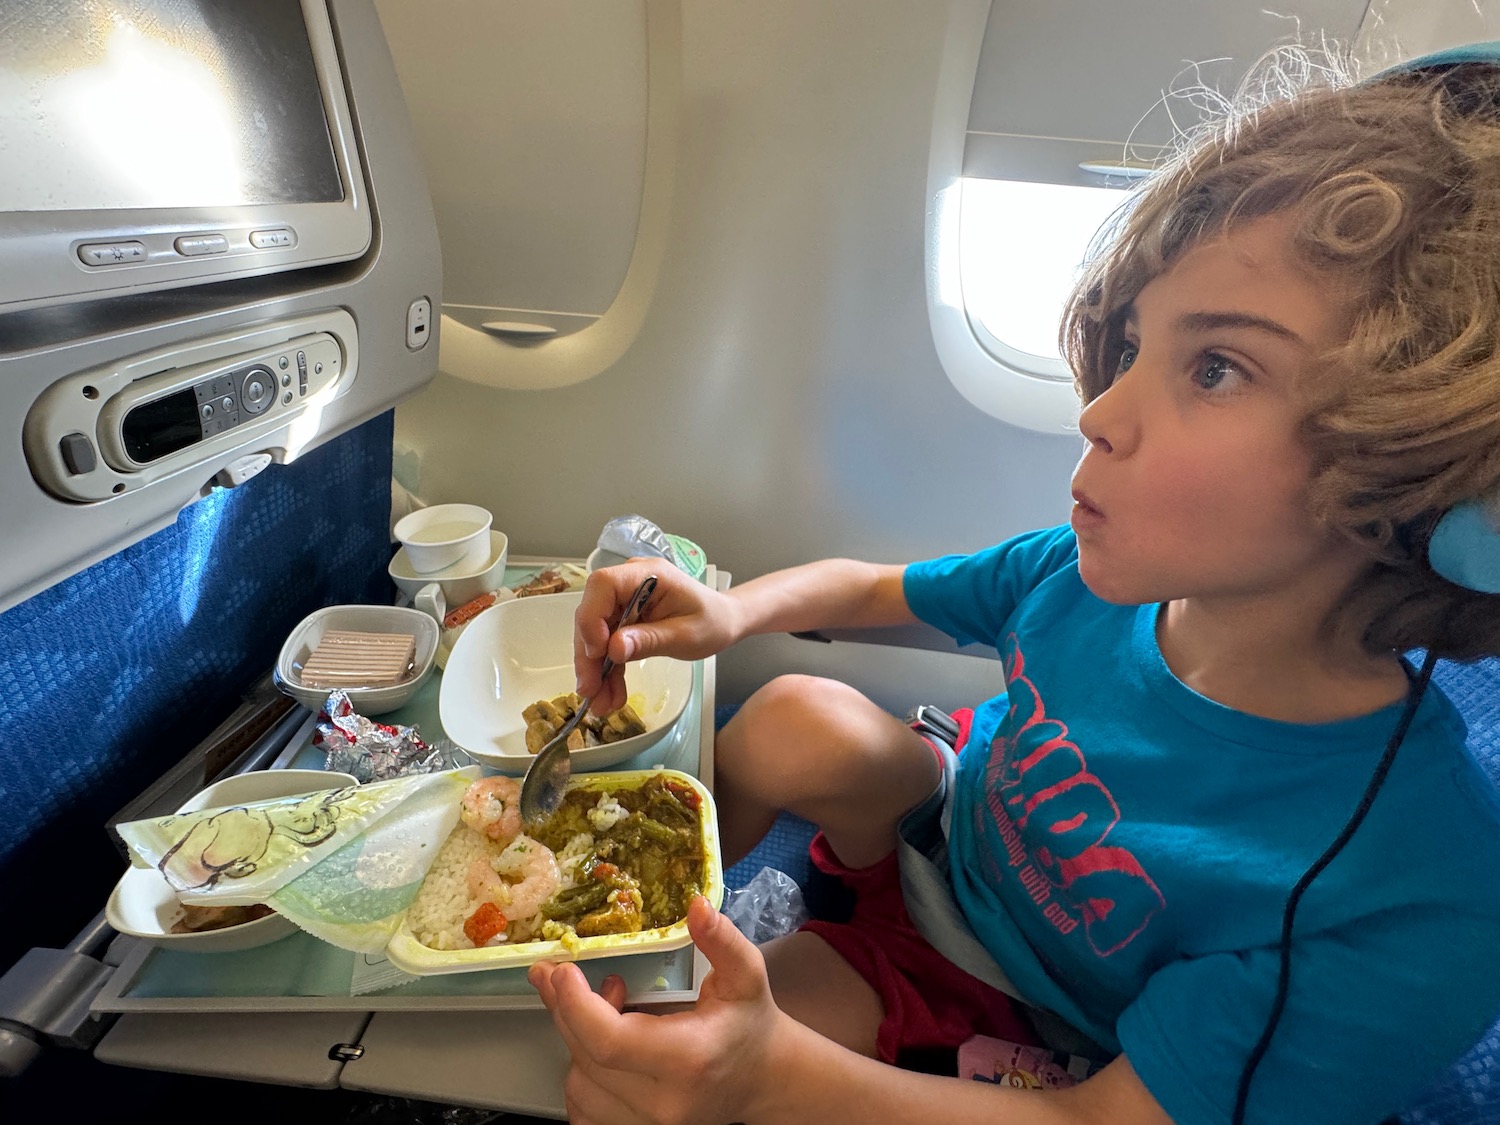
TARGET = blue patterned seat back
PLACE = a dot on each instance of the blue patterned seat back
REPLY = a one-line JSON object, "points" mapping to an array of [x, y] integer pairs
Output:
{"points": [[1470, 1093], [113, 675]]}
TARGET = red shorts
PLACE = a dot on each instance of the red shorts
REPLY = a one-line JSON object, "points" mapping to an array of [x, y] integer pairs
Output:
{"points": [[930, 1003]]}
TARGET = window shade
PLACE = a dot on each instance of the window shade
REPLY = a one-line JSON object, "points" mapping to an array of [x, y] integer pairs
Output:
{"points": [[1073, 81]]}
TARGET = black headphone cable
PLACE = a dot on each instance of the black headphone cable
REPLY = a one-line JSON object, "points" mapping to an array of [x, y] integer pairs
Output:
{"points": [[1377, 779]]}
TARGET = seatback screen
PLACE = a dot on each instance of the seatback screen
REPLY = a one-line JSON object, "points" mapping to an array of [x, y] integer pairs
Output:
{"points": [[118, 104]]}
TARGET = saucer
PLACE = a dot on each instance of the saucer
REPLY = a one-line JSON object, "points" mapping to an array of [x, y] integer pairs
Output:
{"points": [[460, 583]]}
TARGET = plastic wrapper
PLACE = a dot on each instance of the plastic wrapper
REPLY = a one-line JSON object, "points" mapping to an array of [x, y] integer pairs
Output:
{"points": [[767, 907], [632, 536], [343, 864], [1020, 1066], [374, 751]]}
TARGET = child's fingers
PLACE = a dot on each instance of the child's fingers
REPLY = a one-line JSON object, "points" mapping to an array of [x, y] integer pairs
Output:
{"points": [[613, 695], [540, 978], [739, 970], [597, 1034], [613, 990], [548, 978]]}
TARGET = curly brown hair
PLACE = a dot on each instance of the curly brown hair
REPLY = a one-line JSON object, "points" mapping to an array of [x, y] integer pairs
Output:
{"points": [[1394, 184]]}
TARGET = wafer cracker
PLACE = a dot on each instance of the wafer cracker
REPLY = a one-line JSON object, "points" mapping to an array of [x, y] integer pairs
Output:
{"points": [[346, 658]]}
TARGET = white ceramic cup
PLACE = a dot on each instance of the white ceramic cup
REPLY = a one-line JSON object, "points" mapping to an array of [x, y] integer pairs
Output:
{"points": [[445, 535]]}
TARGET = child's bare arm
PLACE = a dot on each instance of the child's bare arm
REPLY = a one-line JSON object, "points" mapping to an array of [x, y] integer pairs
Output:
{"points": [[831, 593], [736, 1057], [687, 620]]}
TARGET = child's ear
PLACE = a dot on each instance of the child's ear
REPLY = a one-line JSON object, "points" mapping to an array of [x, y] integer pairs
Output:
{"points": [[1465, 544]]}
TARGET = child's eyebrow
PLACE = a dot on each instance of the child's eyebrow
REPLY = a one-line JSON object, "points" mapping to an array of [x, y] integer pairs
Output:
{"points": [[1205, 321]]}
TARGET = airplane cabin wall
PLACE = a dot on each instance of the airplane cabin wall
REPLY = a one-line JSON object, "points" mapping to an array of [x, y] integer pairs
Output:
{"points": [[782, 400]]}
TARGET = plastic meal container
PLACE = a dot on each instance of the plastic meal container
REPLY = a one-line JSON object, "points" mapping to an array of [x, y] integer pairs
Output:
{"points": [[411, 956]]}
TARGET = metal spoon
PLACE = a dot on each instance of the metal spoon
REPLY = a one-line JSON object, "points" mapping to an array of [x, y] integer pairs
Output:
{"points": [[547, 776]]}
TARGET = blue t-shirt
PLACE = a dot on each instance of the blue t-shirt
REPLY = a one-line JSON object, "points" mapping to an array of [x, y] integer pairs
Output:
{"points": [[1124, 847]]}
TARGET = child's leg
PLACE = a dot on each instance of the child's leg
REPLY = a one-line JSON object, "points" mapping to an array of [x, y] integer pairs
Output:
{"points": [[821, 750], [814, 985], [874, 984]]}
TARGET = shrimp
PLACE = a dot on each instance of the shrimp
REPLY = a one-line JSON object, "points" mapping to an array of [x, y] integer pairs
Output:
{"points": [[484, 884], [536, 867], [492, 805]]}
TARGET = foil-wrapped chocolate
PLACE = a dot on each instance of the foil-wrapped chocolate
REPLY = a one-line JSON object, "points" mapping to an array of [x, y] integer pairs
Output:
{"points": [[374, 751]]}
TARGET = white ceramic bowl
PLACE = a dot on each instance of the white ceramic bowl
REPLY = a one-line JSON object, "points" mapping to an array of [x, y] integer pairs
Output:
{"points": [[460, 583], [144, 905], [444, 535], [520, 651], [364, 619]]}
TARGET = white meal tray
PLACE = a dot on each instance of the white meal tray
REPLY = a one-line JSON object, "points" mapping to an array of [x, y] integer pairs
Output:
{"points": [[302, 974]]}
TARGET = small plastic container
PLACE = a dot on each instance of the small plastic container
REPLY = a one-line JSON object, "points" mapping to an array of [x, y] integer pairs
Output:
{"points": [[690, 558], [361, 619], [411, 956]]}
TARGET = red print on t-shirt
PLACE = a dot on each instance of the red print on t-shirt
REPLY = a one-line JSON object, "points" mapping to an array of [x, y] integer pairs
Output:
{"points": [[1053, 816]]}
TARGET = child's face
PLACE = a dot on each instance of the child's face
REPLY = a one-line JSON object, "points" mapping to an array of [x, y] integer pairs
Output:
{"points": [[1193, 480]]}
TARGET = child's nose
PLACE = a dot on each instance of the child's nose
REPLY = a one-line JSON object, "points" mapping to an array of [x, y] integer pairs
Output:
{"points": [[1089, 424], [1107, 423]]}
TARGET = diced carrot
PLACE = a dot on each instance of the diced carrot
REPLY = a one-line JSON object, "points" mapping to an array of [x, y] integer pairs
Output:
{"points": [[687, 795], [484, 924], [603, 871]]}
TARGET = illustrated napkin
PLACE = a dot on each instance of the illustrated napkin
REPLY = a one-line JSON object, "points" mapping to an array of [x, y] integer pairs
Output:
{"points": [[343, 864]]}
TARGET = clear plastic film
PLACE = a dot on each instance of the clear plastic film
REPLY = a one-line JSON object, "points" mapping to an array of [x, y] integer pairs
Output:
{"points": [[767, 907]]}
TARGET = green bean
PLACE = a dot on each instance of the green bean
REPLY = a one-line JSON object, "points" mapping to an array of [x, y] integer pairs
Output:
{"points": [[576, 900]]}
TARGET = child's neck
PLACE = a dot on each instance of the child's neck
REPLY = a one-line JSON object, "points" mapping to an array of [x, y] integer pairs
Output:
{"points": [[1276, 661]]}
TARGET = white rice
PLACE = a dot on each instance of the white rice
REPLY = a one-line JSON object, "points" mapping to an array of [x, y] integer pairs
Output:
{"points": [[572, 854], [606, 813], [438, 913]]}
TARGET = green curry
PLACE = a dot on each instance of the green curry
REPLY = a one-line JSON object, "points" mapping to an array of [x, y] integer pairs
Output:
{"points": [[643, 870]]}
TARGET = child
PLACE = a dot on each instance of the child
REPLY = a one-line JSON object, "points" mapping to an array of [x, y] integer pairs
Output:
{"points": [[1288, 361]]}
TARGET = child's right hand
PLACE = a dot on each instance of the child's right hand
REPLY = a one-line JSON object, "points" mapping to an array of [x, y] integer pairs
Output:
{"points": [[683, 619], [707, 1063]]}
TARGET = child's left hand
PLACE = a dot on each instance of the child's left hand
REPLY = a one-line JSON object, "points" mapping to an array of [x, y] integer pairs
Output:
{"points": [[699, 1065]]}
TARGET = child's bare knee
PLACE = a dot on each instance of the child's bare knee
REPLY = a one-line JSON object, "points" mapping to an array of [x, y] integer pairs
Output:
{"points": [[795, 703], [793, 714]]}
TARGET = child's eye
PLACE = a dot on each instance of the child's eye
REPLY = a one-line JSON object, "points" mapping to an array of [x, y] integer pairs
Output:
{"points": [[1128, 353], [1215, 370]]}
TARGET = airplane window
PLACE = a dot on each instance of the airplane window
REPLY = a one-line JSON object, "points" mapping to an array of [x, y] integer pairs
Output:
{"points": [[1020, 246], [1002, 258], [1027, 160]]}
